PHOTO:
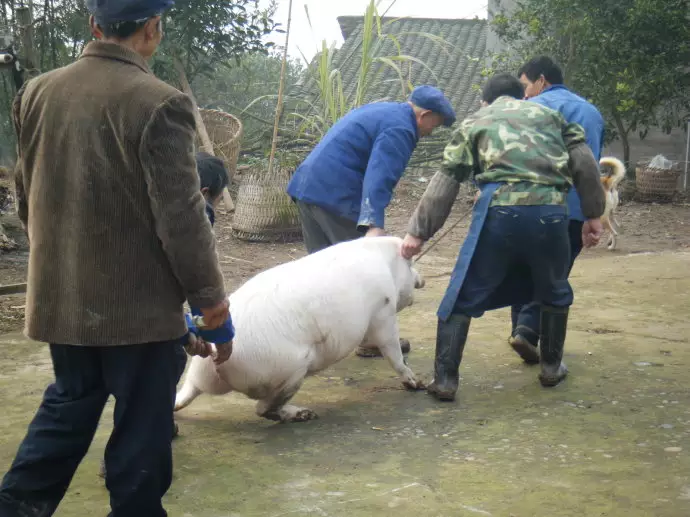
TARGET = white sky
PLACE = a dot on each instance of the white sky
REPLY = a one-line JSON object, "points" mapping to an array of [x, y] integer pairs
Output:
{"points": [[324, 13]]}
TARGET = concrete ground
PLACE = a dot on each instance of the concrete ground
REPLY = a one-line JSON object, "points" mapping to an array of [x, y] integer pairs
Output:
{"points": [[613, 440]]}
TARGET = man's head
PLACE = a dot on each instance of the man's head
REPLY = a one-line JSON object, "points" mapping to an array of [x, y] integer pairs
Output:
{"points": [[501, 85], [431, 109], [538, 74], [213, 177], [136, 24]]}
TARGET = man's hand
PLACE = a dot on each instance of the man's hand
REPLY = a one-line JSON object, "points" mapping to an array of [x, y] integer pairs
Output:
{"points": [[375, 232], [223, 352], [197, 346], [591, 232], [411, 246], [476, 196], [215, 316]]}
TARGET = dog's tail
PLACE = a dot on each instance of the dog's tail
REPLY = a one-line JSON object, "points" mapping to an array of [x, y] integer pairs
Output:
{"points": [[618, 172]]}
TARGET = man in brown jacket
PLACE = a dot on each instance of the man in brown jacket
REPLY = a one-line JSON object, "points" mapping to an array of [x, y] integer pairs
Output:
{"points": [[108, 191]]}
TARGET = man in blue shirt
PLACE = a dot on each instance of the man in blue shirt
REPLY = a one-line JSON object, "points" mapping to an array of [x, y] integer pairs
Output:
{"points": [[343, 187], [543, 82]]}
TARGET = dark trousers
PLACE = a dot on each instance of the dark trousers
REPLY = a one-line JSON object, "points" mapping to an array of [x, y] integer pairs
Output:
{"points": [[138, 456], [526, 318], [321, 228], [535, 237]]}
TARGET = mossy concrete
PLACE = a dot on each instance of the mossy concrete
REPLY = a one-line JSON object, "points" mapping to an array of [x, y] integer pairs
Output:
{"points": [[613, 440]]}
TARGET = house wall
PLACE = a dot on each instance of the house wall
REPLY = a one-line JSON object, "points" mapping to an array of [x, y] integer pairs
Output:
{"points": [[493, 44]]}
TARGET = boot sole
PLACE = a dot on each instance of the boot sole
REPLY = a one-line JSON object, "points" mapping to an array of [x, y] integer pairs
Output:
{"points": [[443, 396], [525, 350], [550, 382]]}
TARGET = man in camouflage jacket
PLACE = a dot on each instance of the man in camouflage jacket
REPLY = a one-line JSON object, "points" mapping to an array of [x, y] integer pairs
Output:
{"points": [[524, 157]]}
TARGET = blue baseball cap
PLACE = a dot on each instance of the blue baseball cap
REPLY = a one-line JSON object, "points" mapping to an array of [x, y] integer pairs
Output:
{"points": [[115, 11], [431, 98]]}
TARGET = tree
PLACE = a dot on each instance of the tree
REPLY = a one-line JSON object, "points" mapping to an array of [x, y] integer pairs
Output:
{"points": [[628, 57], [233, 89], [203, 34]]}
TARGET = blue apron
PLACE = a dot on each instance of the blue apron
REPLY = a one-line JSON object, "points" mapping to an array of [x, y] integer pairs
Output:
{"points": [[517, 286]]}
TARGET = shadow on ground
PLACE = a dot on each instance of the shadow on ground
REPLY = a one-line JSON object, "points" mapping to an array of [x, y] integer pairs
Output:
{"points": [[614, 440]]}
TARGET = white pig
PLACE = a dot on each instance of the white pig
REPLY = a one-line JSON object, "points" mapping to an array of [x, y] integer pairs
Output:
{"points": [[298, 318]]}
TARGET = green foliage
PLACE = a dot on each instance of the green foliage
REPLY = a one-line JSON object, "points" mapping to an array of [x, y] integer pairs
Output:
{"points": [[234, 89], [629, 57], [205, 33]]}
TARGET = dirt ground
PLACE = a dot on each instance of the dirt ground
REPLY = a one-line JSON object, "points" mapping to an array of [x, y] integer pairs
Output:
{"points": [[611, 441]]}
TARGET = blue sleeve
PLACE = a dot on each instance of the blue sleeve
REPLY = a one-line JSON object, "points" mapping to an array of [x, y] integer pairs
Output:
{"points": [[223, 334], [594, 135], [387, 162]]}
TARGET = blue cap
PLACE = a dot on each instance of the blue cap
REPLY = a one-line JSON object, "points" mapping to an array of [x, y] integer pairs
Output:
{"points": [[114, 11], [431, 98]]}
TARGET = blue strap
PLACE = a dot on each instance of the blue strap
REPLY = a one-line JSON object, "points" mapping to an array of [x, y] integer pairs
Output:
{"points": [[223, 334]]}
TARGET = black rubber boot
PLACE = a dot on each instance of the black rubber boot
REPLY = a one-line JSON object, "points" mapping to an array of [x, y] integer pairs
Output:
{"points": [[522, 345], [554, 323], [451, 337], [523, 339]]}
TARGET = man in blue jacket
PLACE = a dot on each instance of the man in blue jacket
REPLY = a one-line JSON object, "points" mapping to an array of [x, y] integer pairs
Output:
{"points": [[343, 187], [543, 82]]}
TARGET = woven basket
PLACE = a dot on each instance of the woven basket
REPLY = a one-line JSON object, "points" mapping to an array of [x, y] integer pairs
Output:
{"points": [[225, 132], [656, 184], [264, 212]]}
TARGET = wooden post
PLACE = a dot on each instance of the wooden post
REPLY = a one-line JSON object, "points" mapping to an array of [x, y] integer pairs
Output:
{"points": [[281, 86], [206, 144], [26, 38]]}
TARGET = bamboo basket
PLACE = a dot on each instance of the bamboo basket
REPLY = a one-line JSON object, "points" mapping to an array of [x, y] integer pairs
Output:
{"points": [[225, 132], [658, 185], [264, 212]]}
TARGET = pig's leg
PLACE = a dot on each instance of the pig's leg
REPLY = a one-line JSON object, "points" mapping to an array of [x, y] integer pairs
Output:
{"points": [[275, 406], [201, 377], [383, 332]]}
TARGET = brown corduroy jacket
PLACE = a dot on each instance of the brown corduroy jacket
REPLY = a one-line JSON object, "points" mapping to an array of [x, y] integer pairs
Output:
{"points": [[108, 191]]}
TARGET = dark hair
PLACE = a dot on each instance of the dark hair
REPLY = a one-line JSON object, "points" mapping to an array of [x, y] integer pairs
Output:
{"points": [[502, 84], [542, 65], [123, 30], [212, 173]]}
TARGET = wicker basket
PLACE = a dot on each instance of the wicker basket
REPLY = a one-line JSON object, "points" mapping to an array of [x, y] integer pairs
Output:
{"points": [[656, 184], [225, 132], [264, 212]]}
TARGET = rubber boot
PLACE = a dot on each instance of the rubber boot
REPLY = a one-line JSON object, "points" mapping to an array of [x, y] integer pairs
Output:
{"points": [[554, 322], [373, 351], [523, 340], [451, 337]]}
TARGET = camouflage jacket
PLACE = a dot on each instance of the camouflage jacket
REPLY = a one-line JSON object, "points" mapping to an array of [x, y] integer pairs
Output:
{"points": [[522, 144]]}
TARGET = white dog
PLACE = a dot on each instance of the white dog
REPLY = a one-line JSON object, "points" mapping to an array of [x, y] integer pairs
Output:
{"points": [[298, 318], [610, 184]]}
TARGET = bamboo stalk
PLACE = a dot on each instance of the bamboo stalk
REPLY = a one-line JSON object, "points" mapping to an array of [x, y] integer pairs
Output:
{"points": [[206, 144], [281, 87]]}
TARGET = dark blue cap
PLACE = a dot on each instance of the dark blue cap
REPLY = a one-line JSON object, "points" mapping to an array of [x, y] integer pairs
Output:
{"points": [[431, 98], [107, 12]]}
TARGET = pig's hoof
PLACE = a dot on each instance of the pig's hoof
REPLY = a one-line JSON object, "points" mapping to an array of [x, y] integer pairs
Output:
{"points": [[302, 415], [414, 385]]}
